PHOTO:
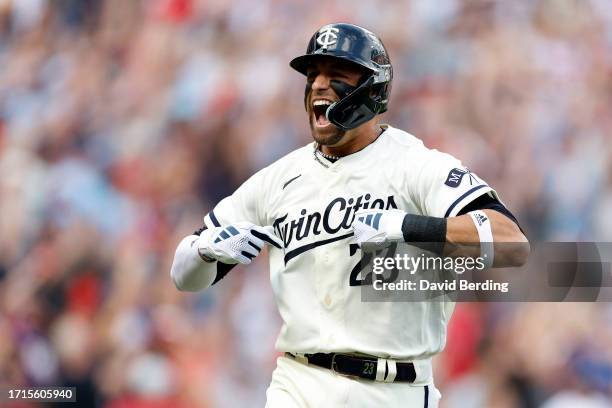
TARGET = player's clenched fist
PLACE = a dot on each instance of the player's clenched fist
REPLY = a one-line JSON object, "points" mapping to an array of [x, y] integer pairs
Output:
{"points": [[236, 243], [374, 229]]}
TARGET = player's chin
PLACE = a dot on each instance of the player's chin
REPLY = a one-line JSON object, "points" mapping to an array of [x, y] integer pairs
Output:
{"points": [[324, 132]]}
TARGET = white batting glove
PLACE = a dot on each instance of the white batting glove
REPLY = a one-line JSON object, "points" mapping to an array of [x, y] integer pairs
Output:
{"points": [[236, 243], [376, 229]]}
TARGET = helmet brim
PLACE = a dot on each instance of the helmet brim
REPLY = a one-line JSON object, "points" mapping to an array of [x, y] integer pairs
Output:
{"points": [[301, 63]]}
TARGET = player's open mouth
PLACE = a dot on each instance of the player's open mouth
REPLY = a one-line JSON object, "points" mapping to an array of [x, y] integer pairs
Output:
{"points": [[319, 108]]}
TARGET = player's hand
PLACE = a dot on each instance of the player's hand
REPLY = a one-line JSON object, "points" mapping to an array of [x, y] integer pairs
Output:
{"points": [[376, 229], [236, 243]]}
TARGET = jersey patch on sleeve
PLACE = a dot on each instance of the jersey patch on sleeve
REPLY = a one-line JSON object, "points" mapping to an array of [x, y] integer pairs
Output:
{"points": [[454, 177]]}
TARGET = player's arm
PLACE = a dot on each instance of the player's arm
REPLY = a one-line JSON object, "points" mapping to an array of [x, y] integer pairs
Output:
{"points": [[460, 215], [205, 257], [462, 239], [453, 236], [189, 271], [463, 235]]}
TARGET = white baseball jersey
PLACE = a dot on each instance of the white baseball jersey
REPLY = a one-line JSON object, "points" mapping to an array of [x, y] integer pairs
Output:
{"points": [[314, 276]]}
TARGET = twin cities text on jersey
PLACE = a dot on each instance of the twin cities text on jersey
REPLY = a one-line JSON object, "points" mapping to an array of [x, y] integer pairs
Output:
{"points": [[338, 215]]}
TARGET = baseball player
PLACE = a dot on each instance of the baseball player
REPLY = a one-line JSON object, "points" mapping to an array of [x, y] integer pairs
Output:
{"points": [[359, 183]]}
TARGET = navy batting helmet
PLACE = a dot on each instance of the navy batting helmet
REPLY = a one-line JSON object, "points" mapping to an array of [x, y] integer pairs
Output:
{"points": [[349, 42]]}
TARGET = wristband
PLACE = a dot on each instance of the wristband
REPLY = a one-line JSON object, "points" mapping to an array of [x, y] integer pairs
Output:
{"points": [[485, 235], [424, 229]]}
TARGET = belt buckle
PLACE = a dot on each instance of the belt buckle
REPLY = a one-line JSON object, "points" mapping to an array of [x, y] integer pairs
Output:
{"points": [[334, 367], [333, 364]]}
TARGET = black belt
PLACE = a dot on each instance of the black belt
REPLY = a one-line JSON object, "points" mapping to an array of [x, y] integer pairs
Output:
{"points": [[355, 366]]}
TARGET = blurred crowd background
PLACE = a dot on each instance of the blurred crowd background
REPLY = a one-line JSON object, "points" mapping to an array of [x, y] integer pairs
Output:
{"points": [[123, 122]]}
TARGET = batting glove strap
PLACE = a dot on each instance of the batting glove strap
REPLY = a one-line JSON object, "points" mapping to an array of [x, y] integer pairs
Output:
{"points": [[237, 243], [377, 228]]}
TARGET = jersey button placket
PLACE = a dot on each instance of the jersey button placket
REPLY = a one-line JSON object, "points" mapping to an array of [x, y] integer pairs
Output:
{"points": [[319, 275], [327, 302], [325, 265], [328, 266]]}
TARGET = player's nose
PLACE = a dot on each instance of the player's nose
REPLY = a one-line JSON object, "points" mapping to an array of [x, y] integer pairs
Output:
{"points": [[321, 82]]}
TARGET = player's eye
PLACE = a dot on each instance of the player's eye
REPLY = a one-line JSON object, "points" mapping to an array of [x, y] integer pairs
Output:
{"points": [[311, 76], [338, 74]]}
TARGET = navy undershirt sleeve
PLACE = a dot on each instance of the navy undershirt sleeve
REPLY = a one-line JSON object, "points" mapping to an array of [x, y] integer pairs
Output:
{"points": [[486, 202]]}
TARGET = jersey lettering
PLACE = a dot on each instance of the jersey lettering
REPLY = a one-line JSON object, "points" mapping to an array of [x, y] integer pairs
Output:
{"points": [[313, 223]]}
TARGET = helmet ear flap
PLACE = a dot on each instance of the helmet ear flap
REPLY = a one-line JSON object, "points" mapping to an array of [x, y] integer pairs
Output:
{"points": [[379, 94], [354, 109]]}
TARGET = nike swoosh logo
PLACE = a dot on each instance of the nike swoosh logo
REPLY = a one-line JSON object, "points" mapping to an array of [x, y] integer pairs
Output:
{"points": [[293, 179]]}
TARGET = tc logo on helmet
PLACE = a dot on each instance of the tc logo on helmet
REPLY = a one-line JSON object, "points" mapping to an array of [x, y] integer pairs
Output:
{"points": [[327, 36]]}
